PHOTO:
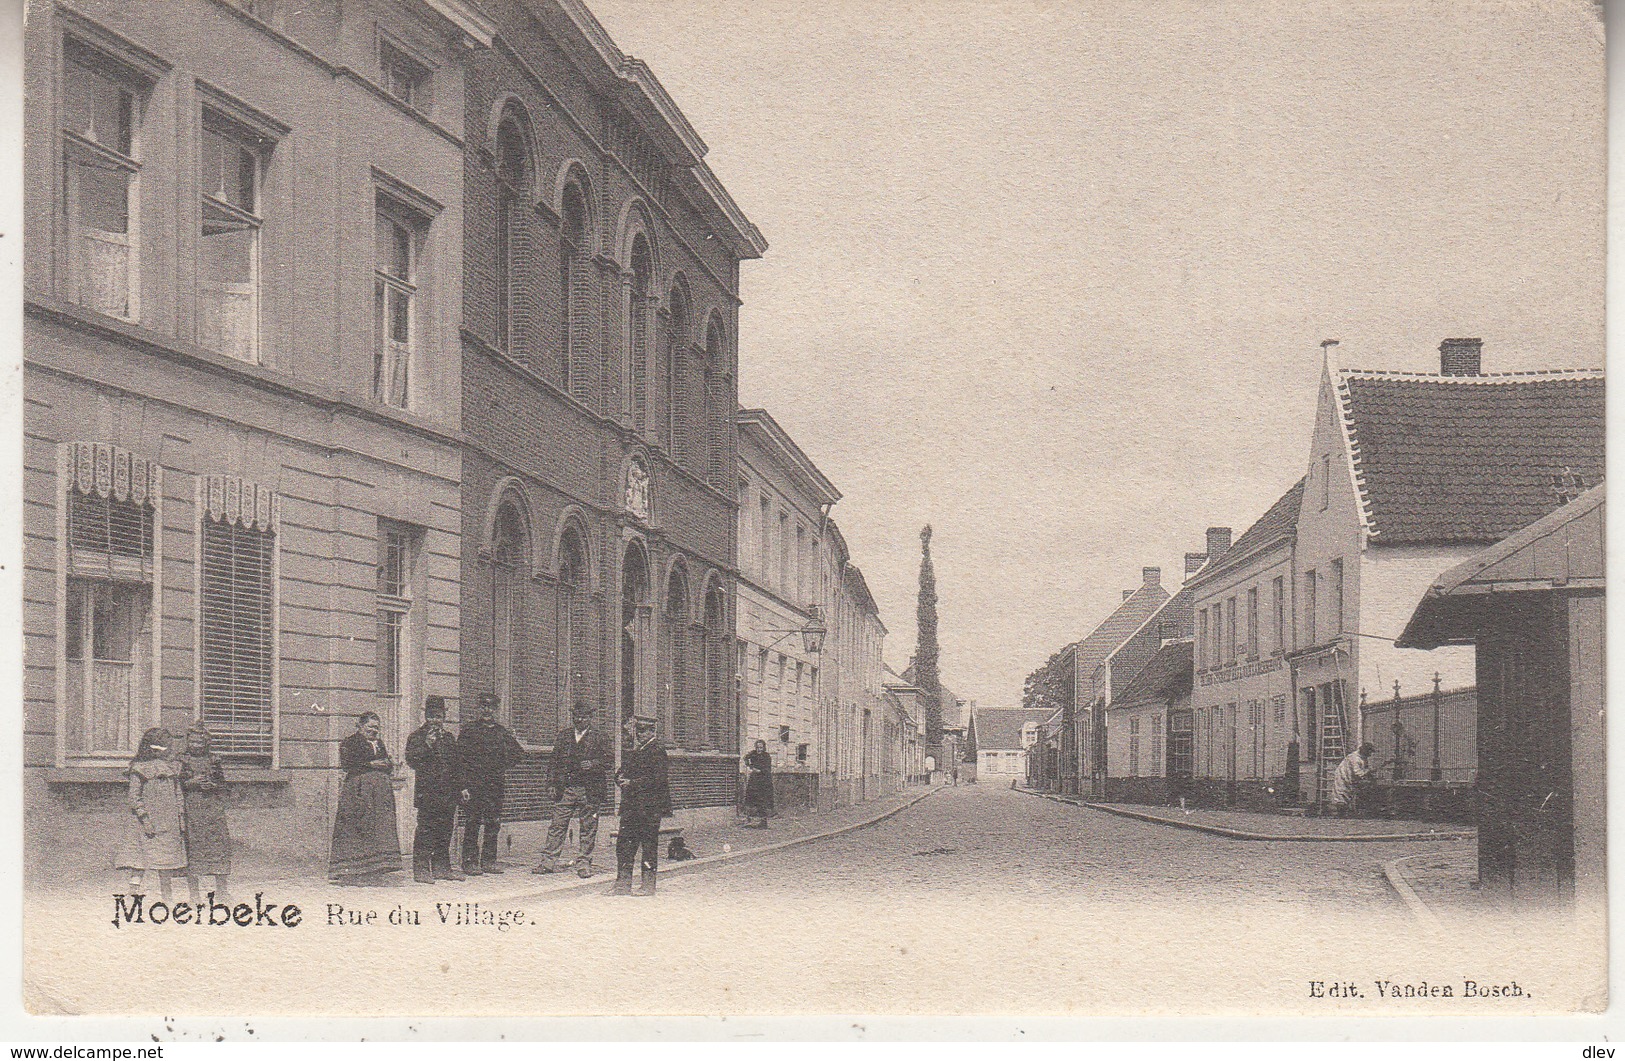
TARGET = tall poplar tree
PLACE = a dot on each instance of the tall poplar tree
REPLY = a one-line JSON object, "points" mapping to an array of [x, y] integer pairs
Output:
{"points": [[925, 645]]}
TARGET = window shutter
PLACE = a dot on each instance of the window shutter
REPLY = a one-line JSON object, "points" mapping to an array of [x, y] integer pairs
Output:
{"points": [[237, 618]]}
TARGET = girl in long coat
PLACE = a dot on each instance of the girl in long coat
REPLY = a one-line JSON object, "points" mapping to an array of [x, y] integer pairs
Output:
{"points": [[208, 840], [157, 825], [366, 837], [759, 786]]}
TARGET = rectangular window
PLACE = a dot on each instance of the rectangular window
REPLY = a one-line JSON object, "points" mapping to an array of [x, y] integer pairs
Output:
{"points": [[1134, 747], [1279, 605], [100, 110], [784, 553], [236, 620], [801, 565], [229, 246], [397, 237], [1230, 630], [1156, 765], [1203, 657], [1216, 655], [765, 525], [1335, 604], [107, 651], [1252, 622], [403, 76], [1309, 632], [397, 562], [1280, 710]]}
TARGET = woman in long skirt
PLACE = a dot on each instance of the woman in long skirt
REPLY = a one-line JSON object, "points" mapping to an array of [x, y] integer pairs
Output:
{"points": [[366, 838], [157, 825], [208, 840], [759, 786]]}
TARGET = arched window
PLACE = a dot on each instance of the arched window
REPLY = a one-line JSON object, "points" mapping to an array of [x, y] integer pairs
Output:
{"points": [[575, 293], [635, 365], [715, 413], [675, 362], [510, 553], [573, 624], [721, 727], [513, 177], [677, 709], [635, 644]]}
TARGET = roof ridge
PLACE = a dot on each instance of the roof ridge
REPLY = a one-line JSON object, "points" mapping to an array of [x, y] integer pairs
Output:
{"points": [[1523, 376]]}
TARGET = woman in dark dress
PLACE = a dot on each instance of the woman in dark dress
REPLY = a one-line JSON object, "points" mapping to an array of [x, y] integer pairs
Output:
{"points": [[208, 840], [366, 838], [759, 786]]}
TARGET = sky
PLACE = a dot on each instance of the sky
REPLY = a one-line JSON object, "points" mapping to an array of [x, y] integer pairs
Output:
{"points": [[1053, 277]]}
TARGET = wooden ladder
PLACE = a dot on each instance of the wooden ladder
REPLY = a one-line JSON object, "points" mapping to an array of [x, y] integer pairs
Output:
{"points": [[1333, 724]]}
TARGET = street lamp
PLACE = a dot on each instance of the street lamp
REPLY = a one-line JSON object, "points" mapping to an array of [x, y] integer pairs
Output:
{"points": [[812, 634]]}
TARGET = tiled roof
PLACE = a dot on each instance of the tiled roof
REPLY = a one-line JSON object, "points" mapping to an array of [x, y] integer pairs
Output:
{"points": [[1469, 459], [1119, 626], [1280, 521], [999, 729], [1166, 677]]}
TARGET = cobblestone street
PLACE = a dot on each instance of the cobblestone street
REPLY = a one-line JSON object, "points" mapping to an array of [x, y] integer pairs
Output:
{"points": [[975, 838], [975, 900]]}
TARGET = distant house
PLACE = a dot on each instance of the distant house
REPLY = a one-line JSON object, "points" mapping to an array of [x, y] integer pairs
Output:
{"points": [[1533, 605], [1410, 473], [1148, 739], [1001, 738], [1082, 750]]}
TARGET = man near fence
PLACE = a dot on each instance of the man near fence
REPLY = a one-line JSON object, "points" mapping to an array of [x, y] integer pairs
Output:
{"points": [[581, 761], [1351, 775]]}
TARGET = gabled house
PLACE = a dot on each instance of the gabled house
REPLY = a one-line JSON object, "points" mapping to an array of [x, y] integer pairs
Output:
{"points": [[1001, 738], [1082, 756], [1148, 738], [1410, 473]]}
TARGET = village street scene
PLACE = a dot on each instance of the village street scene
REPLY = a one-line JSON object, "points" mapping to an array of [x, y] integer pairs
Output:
{"points": [[441, 511]]}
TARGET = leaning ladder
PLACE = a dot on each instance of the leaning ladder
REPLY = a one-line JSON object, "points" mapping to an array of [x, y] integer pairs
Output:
{"points": [[1332, 749]]}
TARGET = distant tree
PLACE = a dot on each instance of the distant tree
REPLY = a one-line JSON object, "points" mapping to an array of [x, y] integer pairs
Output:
{"points": [[926, 652], [1045, 688]]}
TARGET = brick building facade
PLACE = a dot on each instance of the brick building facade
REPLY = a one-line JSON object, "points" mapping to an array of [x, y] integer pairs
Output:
{"points": [[242, 483], [599, 380]]}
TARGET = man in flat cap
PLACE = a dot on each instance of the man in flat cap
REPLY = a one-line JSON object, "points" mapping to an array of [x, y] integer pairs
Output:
{"points": [[487, 749], [645, 799], [431, 752], [581, 760]]}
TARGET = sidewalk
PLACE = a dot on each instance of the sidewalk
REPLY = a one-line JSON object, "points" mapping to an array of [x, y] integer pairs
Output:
{"points": [[1248, 825], [711, 842]]}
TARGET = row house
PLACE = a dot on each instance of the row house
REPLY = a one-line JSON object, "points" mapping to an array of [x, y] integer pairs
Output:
{"points": [[243, 408], [784, 503], [599, 379], [1149, 731], [1246, 739], [859, 747], [1410, 473]]}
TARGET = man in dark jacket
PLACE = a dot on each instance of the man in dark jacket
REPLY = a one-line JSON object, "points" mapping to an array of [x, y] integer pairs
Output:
{"points": [[645, 799], [431, 752], [488, 749], [581, 761]]}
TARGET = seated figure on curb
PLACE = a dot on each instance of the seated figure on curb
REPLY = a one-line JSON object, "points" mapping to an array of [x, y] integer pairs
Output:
{"points": [[645, 799], [581, 760]]}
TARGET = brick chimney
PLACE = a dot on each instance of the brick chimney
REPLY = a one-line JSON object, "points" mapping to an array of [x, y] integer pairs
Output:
{"points": [[1218, 542], [1461, 357], [1152, 576], [1194, 562]]}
